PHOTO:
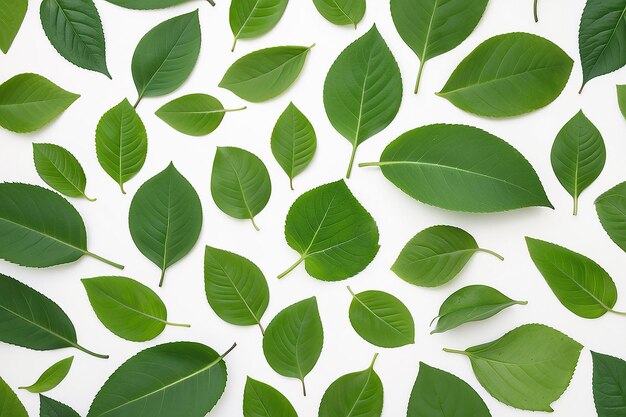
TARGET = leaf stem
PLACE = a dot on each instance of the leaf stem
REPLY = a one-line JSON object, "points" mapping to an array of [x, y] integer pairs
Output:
{"points": [[89, 352], [575, 211], [373, 360], [303, 387], [535, 11], [106, 261], [254, 224], [261, 327], [354, 146], [234, 44], [621, 313], [177, 324], [237, 109], [522, 303], [88, 198], [291, 268], [419, 76], [291, 183], [162, 277], [230, 349], [350, 289], [370, 164], [490, 252], [211, 2], [458, 352], [122, 188], [138, 100]]}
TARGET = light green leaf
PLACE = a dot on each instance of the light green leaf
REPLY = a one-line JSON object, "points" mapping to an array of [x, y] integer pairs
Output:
{"points": [[51, 377], [58, 168], [9, 403], [12, 14], [341, 12], [262, 400], [150, 4], [51, 408], [609, 379], [611, 209], [253, 18]]}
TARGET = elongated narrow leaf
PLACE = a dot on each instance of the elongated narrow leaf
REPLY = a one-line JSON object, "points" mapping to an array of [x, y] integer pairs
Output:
{"points": [[611, 209], [461, 168], [293, 142], [165, 218], [253, 18], [509, 75], [149, 4], [173, 379], [578, 155], [363, 90], [432, 27], [609, 379], [334, 235], [235, 287], [381, 319], [51, 408], [9, 403], [266, 73], [341, 12], [51, 377], [471, 303], [240, 183], [127, 308], [437, 393], [28, 102], [75, 30], [528, 368], [293, 340], [12, 13], [60, 170], [580, 284], [262, 400], [121, 143]]}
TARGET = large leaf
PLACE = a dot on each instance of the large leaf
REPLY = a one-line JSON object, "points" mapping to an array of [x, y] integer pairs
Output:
{"points": [[149, 4], [437, 393], [433, 27], [10, 405], [355, 394], [253, 18], [51, 377], [334, 235], [12, 13], [166, 55], [60, 170], [262, 400], [611, 209], [121, 143], [39, 228], [127, 308], [509, 75], [51, 408], [436, 255], [75, 30], [31, 320], [341, 12], [266, 73], [173, 379], [580, 284], [293, 142], [235, 287], [293, 341], [363, 90], [240, 183], [461, 168], [527, 368], [28, 102], [609, 380], [381, 319], [165, 218], [578, 155]]}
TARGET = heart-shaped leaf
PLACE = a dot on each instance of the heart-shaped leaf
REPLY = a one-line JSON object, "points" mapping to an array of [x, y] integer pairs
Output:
{"points": [[611, 209], [9, 402], [51, 377], [253, 18], [150, 4], [51, 408], [341, 12], [12, 13], [609, 379], [60, 170], [262, 400]]}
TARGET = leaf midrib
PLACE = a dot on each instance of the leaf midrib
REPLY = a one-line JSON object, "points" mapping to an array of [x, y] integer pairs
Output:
{"points": [[610, 39], [356, 297], [83, 251], [49, 331], [233, 83], [128, 307], [62, 174]]}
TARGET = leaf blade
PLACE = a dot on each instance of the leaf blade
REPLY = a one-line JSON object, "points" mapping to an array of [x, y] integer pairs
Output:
{"points": [[609, 375], [51, 408], [611, 210], [51, 377], [262, 400], [58, 168], [253, 18], [12, 13], [341, 12], [9, 401]]}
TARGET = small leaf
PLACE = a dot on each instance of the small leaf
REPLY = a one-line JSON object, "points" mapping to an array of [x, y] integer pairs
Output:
{"points": [[381, 319], [341, 12], [621, 99], [51, 377], [12, 13], [165, 218], [127, 308], [528, 368], [293, 341], [262, 400], [60, 170], [9, 403], [509, 75], [266, 73], [611, 209], [471, 303], [334, 235], [293, 142], [253, 18], [363, 90], [609, 379], [194, 114], [28, 102], [149, 4], [51, 408]]}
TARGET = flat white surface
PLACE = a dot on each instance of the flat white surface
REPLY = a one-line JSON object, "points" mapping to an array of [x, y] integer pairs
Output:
{"points": [[398, 216]]}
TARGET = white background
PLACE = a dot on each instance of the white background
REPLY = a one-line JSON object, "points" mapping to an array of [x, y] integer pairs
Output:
{"points": [[398, 216]]}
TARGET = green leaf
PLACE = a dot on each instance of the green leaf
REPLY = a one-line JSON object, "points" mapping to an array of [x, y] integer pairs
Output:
{"points": [[461, 168], [12, 14], [609, 379], [51, 408], [381, 319], [165, 218], [235, 287], [436, 255], [39, 228], [363, 90], [621, 99], [432, 28], [355, 394], [166, 55], [121, 143], [611, 209], [266, 73], [253, 18], [471, 303], [74, 28], [240, 183], [578, 155], [58, 168], [262, 400], [293, 142], [437, 393], [28, 102], [293, 341], [149, 4], [528, 368], [173, 379], [194, 114], [580, 284], [509, 75], [127, 308], [31, 320], [341, 12], [51, 377], [9, 403], [334, 235]]}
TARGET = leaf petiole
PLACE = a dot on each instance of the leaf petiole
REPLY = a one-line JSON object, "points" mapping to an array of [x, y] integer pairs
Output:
{"points": [[89, 352], [106, 261], [211, 2], [535, 11], [458, 352], [291, 268], [490, 252]]}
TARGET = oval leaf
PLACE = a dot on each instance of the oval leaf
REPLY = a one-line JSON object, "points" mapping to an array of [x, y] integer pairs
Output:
{"points": [[609, 378], [60, 170], [51, 377], [341, 12], [9, 402], [262, 400], [611, 209], [149, 4], [253, 18], [12, 13], [51, 408]]}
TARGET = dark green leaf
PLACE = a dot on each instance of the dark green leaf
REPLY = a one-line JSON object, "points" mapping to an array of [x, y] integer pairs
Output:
{"points": [[262, 400], [253, 18], [10, 405], [611, 209], [341, 12], [609, 380], [60, 170], [51, 377], [12, 14], [51, 408], [149, 4]]}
